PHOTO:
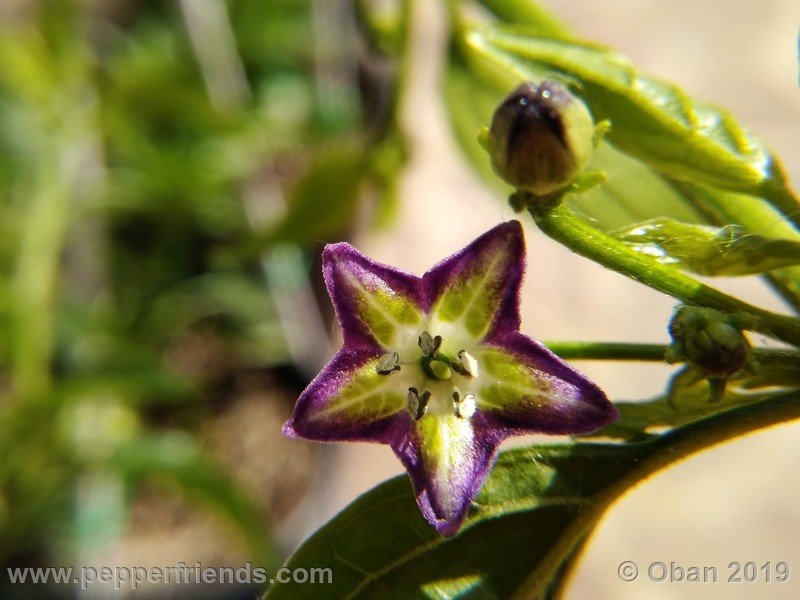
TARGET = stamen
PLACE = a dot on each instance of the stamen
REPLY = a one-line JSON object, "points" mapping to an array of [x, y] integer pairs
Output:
{"points": [[388, 363], [466, 364], [429, 345], [418, 404], [464, 407]]}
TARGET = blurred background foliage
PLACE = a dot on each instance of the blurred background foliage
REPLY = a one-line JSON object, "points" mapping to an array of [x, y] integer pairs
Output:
{"points": [[168, 172]]}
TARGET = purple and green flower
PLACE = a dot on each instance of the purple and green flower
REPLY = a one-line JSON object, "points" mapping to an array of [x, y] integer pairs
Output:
{"points": [[435, 367]]}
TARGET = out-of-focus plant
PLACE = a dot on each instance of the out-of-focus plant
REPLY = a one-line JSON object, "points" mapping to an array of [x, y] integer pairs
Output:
{"points": [[166, 170]]}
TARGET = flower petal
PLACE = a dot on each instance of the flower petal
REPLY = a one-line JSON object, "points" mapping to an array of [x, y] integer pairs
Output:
{"points": [[350, 400], [448, 461], [377, 305], [477, 289], [525, 388]]}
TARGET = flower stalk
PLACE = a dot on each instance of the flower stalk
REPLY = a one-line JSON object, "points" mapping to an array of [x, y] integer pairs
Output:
{"points": [[569, 350]]}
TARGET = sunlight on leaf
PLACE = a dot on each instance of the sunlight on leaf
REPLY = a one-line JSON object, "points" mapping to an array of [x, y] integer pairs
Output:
{"points": [[713, 251]]}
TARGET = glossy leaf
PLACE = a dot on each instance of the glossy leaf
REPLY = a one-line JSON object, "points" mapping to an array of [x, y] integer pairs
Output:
{"points": [[728, 250], [651, 119], [525, 529], [756, 216]]}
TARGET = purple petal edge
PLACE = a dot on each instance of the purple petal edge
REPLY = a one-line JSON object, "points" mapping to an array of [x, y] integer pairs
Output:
{"points": [[590, 410], [342, 257], [437, 279], [486, 447]]}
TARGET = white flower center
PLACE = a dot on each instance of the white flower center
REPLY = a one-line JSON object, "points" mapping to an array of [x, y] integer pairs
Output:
{"points": [[438, 379]]}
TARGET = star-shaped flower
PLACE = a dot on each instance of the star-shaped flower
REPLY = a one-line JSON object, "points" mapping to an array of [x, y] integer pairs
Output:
{"points": [[435, 367]]}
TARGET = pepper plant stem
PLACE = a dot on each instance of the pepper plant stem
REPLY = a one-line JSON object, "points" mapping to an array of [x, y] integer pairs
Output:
{"points": [[608, 351], [654, 352]]}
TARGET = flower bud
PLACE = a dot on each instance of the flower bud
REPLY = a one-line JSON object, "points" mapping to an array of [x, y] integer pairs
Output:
{"points": [[541, 138], [710, 341]]}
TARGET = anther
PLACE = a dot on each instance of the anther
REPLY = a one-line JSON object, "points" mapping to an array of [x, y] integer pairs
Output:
{"points": [[464, 407], [466, 364], [388, 363], [418, 404], [429, 345]]}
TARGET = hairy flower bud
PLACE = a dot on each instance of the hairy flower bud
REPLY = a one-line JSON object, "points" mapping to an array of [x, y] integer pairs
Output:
{"points": [[712, 342], [541, 138]]}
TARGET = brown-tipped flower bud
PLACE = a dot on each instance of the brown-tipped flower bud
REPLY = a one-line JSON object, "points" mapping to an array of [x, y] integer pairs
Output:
{"points": [[710, 341], [541, 138]]}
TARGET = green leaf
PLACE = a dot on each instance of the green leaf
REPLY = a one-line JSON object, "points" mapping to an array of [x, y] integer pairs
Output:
{"points": [[529, 13], [526, 527], [381, 547], [633, 192], [651, 120], [756, 216], [712, 251]]}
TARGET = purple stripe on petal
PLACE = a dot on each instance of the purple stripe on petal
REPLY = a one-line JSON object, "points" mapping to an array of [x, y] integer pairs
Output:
{"points": [[447, 479], [317, 415], [573, 404], [353, 281], [498, 253]]}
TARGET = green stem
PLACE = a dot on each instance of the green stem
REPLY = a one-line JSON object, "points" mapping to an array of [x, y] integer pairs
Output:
{"points": [[560, 224], [655, 352], [713, 430], [67, 151], [608, 351], [785, 289]]}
